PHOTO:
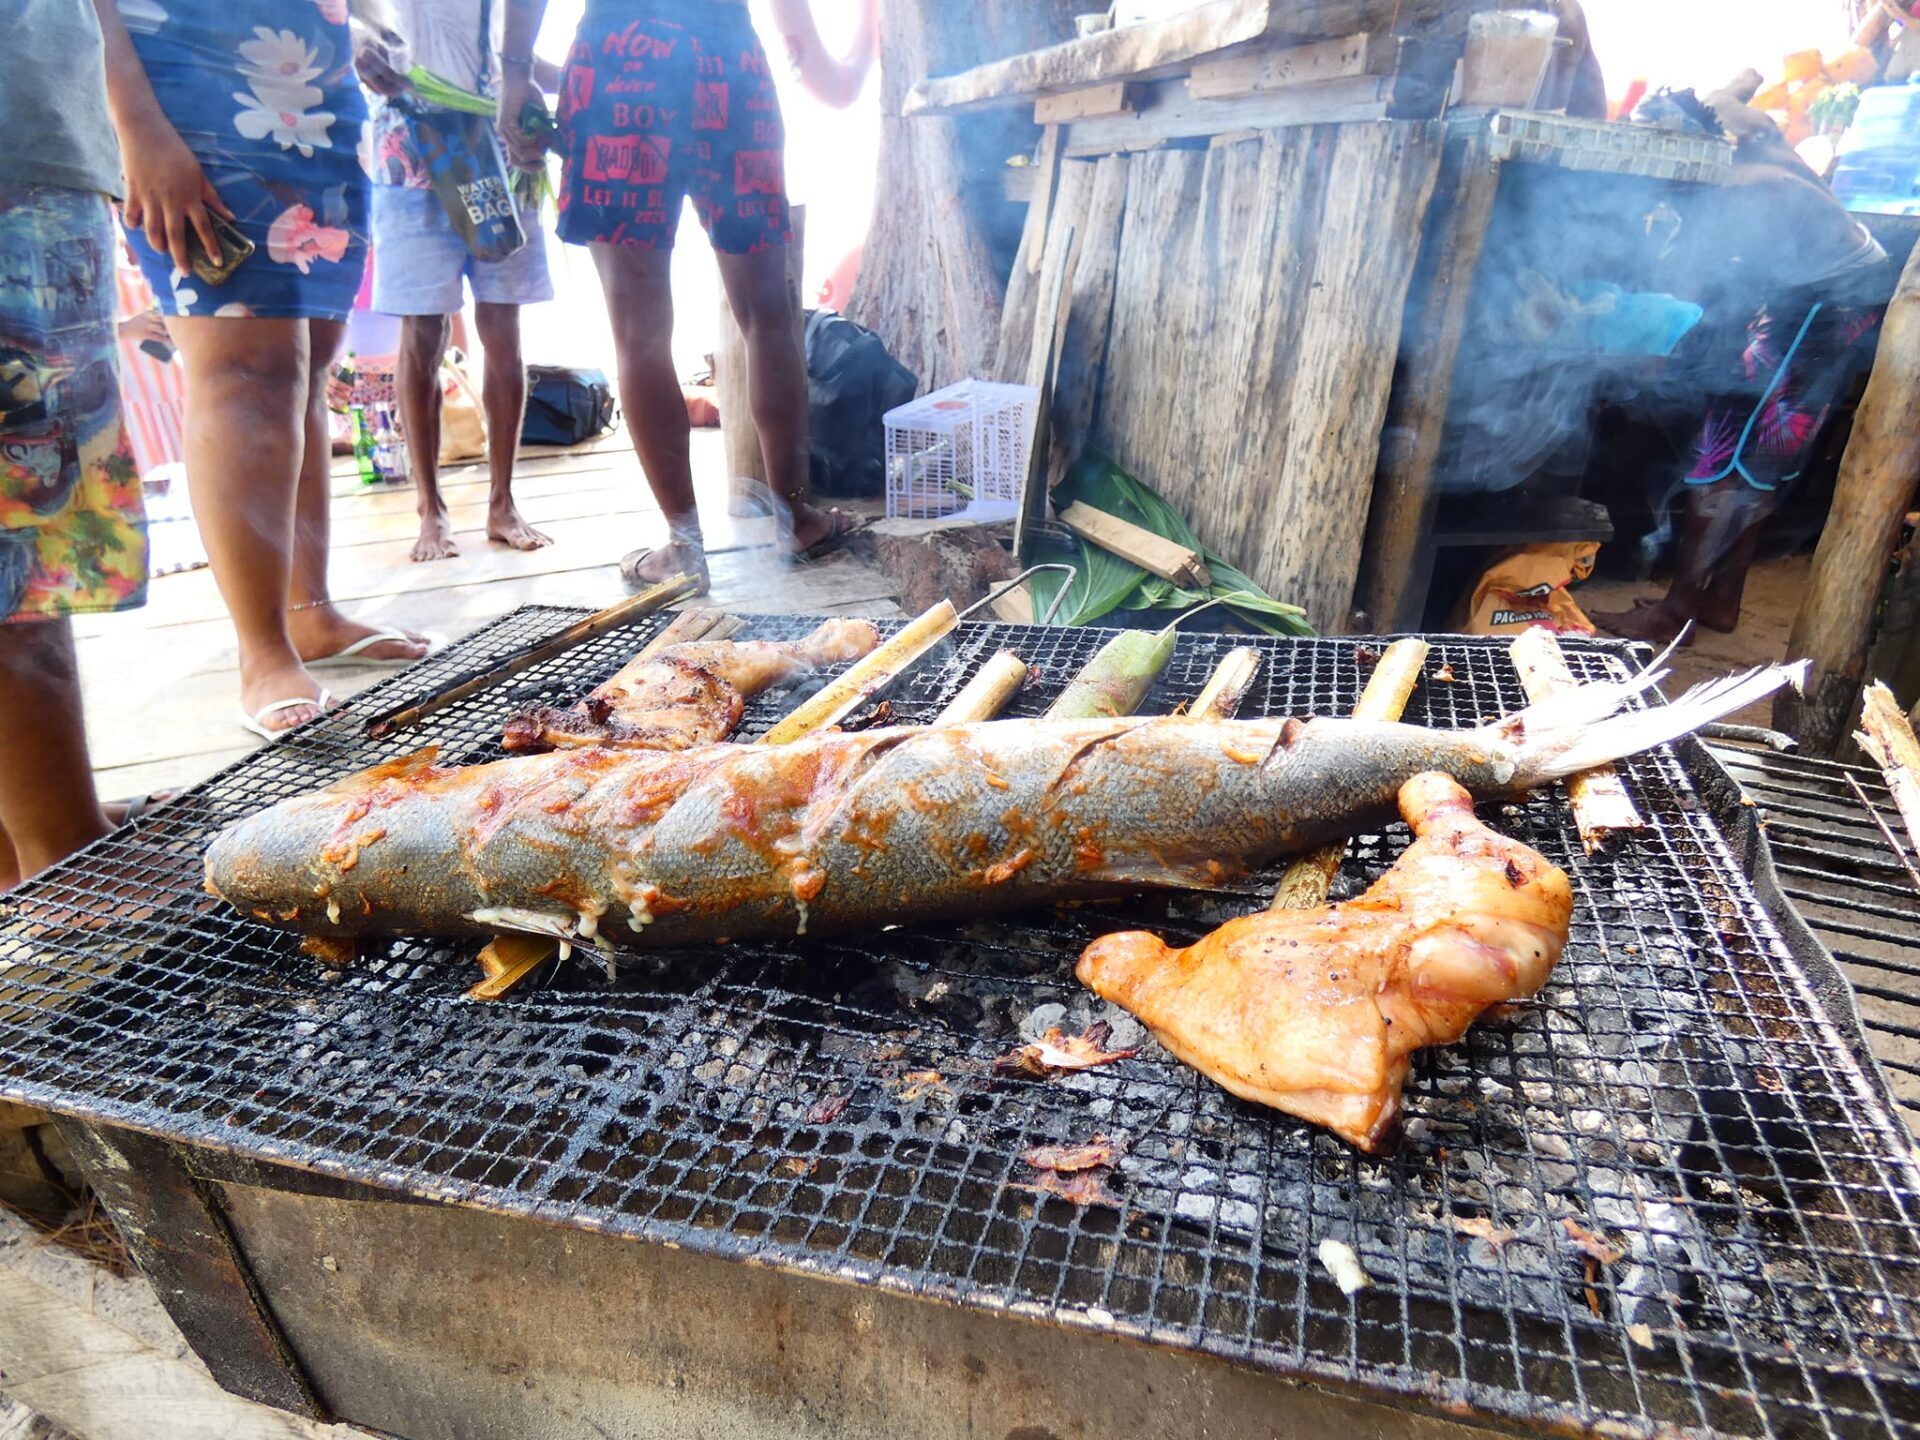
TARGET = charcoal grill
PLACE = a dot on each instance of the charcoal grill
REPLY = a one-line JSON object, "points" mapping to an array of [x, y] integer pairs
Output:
{"points": [[1683, 1089]]}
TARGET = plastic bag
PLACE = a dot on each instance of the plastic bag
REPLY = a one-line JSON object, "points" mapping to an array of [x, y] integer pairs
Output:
{"points": [[463, 419], [1527, 586], [469, 173]]}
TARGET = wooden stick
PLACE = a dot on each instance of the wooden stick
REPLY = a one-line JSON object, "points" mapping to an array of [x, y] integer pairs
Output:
{"points": [[840, 697], [988, 692], [1309, 878], [1880, 823], [1173, 562], [634, 607], [1228, 685], [1601, 806], [508, 960], [1889, 739]]}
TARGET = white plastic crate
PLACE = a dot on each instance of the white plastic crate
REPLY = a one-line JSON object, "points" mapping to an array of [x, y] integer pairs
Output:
{"points": [[961, 449]]}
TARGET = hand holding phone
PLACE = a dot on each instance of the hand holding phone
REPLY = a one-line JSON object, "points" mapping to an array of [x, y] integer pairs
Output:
{"points": [[234, 250]]}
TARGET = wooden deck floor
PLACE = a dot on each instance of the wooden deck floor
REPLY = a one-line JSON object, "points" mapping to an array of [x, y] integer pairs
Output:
{"points": [[161, 686]]}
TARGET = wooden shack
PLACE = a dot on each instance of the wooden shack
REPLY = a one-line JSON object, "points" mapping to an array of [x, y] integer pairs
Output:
{"points": [[1250, 258]]}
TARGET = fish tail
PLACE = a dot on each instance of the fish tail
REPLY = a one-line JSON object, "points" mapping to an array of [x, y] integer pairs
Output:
{"points": [[1588, 726]]}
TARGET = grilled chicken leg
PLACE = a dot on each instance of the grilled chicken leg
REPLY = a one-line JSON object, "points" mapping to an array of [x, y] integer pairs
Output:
{"points": [[1316, 1012], [687, 695]]}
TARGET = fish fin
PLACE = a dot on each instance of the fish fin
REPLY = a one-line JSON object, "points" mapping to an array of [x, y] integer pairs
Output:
{"points": [[527, 922], [417, 765], [1557, 740]]}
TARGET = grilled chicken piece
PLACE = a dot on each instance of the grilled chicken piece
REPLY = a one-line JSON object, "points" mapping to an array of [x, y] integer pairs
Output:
{"points": [[687, 695], [1316, 1012]]}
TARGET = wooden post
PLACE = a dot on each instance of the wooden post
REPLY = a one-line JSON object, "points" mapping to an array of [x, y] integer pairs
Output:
{"points": [[1393, 575], [1876, 485], [746, 468]]}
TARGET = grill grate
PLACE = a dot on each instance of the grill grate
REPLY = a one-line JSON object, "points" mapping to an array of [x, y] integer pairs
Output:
{"points": [[1677, 1088], [1834, 864]]}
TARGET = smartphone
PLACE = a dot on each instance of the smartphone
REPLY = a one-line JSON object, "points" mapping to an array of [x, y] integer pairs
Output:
{"points": [[159, 350], [234, 250]]}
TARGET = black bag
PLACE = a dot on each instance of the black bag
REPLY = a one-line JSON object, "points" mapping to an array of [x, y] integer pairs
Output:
{"points": [[851, 384], [566, 406]]}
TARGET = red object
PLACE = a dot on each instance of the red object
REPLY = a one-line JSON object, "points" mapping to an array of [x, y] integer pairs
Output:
{"points": [[838, 287], [1629, 102]]}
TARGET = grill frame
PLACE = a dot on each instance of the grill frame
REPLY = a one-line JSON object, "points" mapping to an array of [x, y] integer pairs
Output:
{"points": [[1601, 1378]]}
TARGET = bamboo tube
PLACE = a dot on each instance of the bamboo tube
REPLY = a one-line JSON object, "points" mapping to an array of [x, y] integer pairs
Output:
{"points": [[988, 693], [1887, 737], [839, 698], [1228, 685], [1601, 806], [1309, 878], [1116, 680]]}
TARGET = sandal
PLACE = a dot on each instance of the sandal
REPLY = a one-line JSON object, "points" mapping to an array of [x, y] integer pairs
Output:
{"points": [[631, 565], [355, 654], [255, 724]]}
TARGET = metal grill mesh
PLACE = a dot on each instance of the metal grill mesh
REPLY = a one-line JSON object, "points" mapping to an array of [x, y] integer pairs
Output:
{"points": [[831, 1106]]}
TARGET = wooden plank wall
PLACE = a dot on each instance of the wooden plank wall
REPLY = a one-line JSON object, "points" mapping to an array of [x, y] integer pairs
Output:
{"points": [[1257, 303]]}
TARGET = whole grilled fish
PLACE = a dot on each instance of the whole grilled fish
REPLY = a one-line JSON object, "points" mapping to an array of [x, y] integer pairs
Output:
{"points": [[854, 832]]}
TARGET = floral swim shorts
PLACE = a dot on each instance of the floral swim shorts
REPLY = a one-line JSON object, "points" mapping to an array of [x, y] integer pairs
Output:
{"points": [[73, 535], [665, 100]]}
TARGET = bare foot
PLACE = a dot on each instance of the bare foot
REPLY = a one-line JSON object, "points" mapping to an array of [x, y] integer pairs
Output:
{"points": [[649, 567], [1652, 622], [259, 689], [506, 525], [321, 632], [436, 537], [818, 530]]}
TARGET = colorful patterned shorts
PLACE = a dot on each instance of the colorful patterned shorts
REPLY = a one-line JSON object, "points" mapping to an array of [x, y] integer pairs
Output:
{"points": [[663, 100], [73, 532]]}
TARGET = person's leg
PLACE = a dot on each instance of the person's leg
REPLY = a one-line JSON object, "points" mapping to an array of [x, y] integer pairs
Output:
{"points": [[318, 629], [503, 392], [638, 284], [764, 303], [423, 341], [48, 807], [247, 384]]}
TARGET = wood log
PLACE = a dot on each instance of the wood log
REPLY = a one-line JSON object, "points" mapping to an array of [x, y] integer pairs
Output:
{"points": [[746, 468], [1601, 806], [931, 280], [1173, 562], [1889, 741], [1161, 48], [1342, 59], [1393, 589], [1875, 487], [1309, 879]]}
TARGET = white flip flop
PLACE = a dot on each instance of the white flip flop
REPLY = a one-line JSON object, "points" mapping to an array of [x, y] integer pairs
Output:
{"points": [[355, 654], [255, 724]]}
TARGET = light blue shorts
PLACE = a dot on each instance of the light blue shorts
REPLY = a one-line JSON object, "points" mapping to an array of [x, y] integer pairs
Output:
{"points": [[419, 262]]}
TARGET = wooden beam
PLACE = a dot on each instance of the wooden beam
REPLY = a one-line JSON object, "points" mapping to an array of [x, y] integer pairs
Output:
{"points": [[1168, 112], [1087, 321], [183, 1245], [1261, 70], [1171, 561], [1393, 587], [1160, 48], [1114, 98], [1876, 485]]}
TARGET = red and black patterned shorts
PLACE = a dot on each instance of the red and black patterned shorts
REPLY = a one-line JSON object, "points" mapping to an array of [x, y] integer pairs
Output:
{"points": [[664, 99]]}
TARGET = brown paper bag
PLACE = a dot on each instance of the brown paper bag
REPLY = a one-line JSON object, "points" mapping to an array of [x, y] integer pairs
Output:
{"points": [[1527, 586], [463, 420]]}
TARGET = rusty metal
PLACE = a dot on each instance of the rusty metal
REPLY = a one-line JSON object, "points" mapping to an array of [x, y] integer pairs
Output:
{"points": [[1682, 1089]]}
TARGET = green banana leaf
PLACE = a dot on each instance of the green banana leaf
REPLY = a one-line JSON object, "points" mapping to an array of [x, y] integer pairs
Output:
{"points": [[1107, 583]]}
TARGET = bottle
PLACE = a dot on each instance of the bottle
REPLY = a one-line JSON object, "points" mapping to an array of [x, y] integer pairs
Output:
{"points": [[389, 450], [363, 458]]}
